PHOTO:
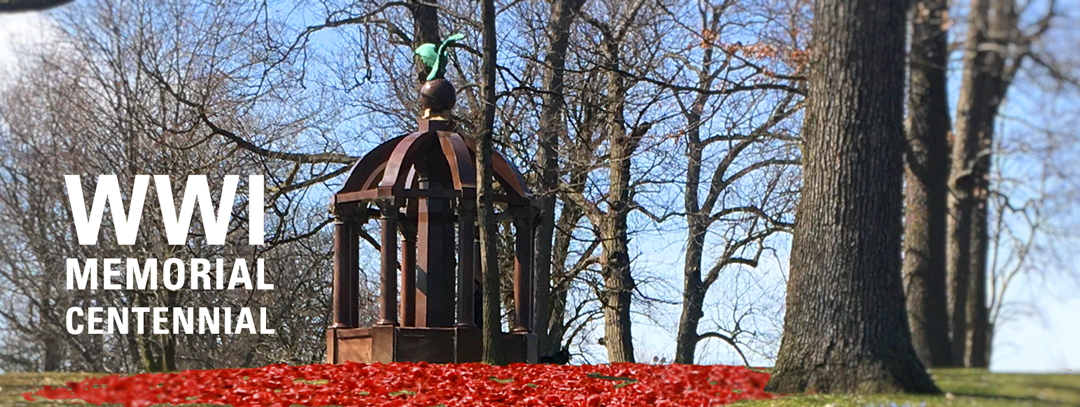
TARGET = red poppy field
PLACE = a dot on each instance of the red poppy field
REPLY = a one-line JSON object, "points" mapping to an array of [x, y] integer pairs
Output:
{"points": [[426, 385]]}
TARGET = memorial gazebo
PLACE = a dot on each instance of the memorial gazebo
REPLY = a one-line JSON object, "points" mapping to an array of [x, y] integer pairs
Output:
{"points": [[422, 189]]}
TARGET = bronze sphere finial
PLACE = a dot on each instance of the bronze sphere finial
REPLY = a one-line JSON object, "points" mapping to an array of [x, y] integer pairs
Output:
{"points": [[437, 98]]}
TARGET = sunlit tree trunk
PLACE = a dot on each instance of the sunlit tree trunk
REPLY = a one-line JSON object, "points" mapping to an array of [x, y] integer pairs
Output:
{"points": [[618, 282], [845, 328], [494, 352]]}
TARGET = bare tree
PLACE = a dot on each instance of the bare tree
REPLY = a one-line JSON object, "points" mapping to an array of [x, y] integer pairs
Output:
{"points": [[759, 150], [926, 196], [994, 51], [485, 207], [115, 94], [552, 125]]}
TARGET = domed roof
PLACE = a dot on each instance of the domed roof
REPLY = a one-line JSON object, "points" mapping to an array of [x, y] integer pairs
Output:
{"points": [[395, 168]]}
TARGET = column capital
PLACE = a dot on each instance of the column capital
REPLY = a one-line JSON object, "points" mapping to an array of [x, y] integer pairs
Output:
{"points": [[338, 211], [524, 214], [387, 206]]}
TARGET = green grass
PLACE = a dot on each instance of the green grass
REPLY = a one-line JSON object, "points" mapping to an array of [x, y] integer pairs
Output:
{"points": [[964, 387]]}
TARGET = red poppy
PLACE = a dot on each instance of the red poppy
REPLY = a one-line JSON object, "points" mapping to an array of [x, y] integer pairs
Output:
{"points": [[425, 385]]}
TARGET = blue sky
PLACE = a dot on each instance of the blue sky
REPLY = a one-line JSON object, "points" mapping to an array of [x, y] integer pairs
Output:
{"points": [[1029, 344]]}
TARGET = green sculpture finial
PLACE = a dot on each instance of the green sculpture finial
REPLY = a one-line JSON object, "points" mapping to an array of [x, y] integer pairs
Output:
{"points": [[436, 59]]}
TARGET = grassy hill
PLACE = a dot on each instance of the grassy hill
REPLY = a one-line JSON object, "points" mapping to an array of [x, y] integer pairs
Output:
{"points": [[964, 387]]}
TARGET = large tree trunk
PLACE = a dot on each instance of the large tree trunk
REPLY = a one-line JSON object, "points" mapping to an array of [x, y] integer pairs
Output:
{"points": [[552, 125], [618, 290], [985, 81], [618, 281], [686, 336], [926, 204], [485, 206], [845, 328]]}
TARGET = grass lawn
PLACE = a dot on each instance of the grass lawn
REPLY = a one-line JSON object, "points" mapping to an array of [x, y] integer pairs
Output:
{"points": [[965, 387]]}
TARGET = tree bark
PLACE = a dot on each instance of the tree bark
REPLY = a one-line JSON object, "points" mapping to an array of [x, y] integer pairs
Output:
{"points": [[552, 125], [978, 315], [926, 204], [686, 336], [618, 290], [985, 81], [964, 150], [494, 352], [615, 270], [845, 328]]}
